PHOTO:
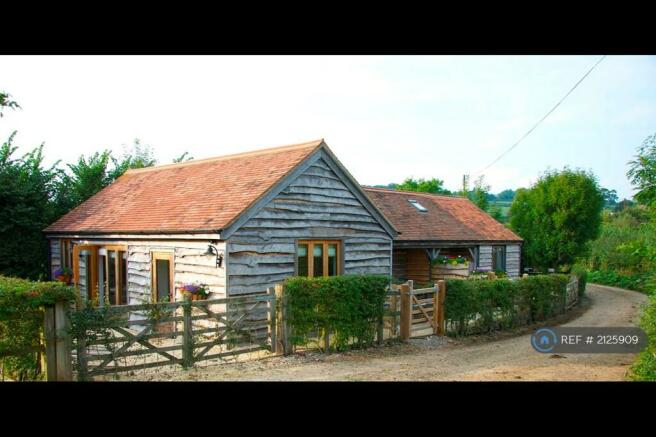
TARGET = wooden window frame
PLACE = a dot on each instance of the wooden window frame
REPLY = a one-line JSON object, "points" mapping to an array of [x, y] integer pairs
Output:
{"points": [[324, 243], [65, 253], [92, 270], [117, 271], [153, 274]]}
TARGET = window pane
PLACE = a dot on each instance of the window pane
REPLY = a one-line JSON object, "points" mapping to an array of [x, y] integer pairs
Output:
{"points": [[317, 259], [102, 280], [86, 258], [332, 259], [111, 276], [163, 280], [302, 255], [498, 258], [123, 277]]}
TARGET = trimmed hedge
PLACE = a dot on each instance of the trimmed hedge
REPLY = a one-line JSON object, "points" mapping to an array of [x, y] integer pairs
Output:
{"points": [[348, 307], [483, 306], [20, 327]]}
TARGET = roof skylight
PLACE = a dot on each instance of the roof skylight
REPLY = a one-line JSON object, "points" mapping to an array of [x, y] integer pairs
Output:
{"points": [[417, 205]]}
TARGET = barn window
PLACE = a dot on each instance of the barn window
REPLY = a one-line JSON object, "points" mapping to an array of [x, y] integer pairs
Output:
{"points": [[417, 205], [318, 258]]}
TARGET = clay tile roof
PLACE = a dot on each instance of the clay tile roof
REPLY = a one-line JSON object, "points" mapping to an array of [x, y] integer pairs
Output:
{"points": [[446, 219], [201, 195]]}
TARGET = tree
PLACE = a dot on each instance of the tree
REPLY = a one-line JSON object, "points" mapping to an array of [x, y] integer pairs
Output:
{"points": [[423, 185], [506, 195], [479, 194], [642, 172], [136, 156], [89, 175], [610, 197], [28, 203], [496, 213], [6, 102], [557, 217]]}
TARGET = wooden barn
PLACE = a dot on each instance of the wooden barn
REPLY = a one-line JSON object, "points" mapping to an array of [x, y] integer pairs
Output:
{"points": [[443, 228], [238, 223]]}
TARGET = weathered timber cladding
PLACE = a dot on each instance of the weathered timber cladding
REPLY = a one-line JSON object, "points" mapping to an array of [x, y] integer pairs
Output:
{"points": [[513, 254], [316, 205], [485, 257], [399, 263], [189, 265], [55, 256]]}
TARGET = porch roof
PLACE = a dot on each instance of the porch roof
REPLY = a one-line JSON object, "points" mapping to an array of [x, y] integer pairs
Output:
{"points": [[446, 221]]}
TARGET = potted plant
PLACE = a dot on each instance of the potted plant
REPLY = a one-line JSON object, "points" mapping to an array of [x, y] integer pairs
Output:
{"points": [[448, 267], [195, 291], [63, 274]]}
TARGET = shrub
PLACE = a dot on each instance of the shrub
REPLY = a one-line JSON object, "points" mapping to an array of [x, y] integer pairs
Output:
{"points": [[644, 369], [636, 281], [582, 274], [20, 327], [485, 306], [348, 307]]}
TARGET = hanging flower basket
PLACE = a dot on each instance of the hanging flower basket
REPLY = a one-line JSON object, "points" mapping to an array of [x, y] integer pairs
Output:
{"points": [[63, 274], [195, 291]]}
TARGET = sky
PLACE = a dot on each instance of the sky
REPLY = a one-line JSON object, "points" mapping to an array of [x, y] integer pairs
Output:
{"points": [[385, 117]]}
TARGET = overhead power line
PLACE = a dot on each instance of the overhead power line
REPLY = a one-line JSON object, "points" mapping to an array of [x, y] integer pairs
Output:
{"points": [[543, 118]]}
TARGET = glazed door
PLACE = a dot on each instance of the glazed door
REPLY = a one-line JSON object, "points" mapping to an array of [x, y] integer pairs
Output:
{"points": [[112, 275], [162, 277], [85, 270]]}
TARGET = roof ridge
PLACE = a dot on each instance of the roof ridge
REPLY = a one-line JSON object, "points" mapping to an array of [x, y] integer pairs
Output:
{"points": [[421, 193], [268, 150]]}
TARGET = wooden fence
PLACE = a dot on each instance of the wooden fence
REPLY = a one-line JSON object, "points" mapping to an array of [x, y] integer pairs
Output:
{"points": [[133, 337], [177, 333], [572, 296]]}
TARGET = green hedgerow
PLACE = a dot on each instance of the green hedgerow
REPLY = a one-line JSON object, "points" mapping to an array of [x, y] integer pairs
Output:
{"points": [[348, 307], [21, 323], [489, 305]]}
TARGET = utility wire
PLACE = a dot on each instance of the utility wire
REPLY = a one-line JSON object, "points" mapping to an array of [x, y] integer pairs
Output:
{"points": [[543, 118]]}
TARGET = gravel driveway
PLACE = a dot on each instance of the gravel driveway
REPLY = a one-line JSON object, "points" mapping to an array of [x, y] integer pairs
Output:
{"points": [[435, 360]]}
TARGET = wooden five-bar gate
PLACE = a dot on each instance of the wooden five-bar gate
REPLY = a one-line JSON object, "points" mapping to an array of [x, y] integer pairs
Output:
{"points": [[177, 333]]}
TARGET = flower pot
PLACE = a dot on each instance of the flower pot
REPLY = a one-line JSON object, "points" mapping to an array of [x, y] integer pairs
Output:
{"points": [[64, 278], [450, 271]]}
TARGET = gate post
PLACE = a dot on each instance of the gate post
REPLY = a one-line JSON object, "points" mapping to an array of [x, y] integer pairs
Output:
{"points": [[63, 343], [441, 328], [284, 345], [187, 335], [406, 310], [49, 340]]}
